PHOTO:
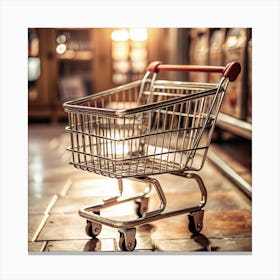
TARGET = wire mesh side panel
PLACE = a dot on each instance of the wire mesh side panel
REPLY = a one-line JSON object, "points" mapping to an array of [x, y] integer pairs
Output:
{"points": [[157, 139], [102, 143], [183, 131]]}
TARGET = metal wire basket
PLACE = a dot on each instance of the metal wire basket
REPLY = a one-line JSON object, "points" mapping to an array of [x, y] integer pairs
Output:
{"points": [[144, 128]]}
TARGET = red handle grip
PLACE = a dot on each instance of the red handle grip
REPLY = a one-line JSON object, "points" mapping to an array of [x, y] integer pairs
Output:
{"points": [[230, 71]]}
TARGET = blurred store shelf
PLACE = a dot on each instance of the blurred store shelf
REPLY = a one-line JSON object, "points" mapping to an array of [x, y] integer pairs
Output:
{"points": [[234, 158], [234, 125]]}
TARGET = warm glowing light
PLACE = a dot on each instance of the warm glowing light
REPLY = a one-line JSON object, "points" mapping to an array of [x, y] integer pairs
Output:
{"points": [[122, 66], [34, 68], [138, 54], [120, 78], [139, 65], [121, 149], [138, 34], [61, 39], [232, 41], [120, 35], [37, 177], [61, 48], [120, 50], [69, 54]]}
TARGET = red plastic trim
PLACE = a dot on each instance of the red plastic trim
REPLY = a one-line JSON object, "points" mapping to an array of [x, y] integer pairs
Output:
{"points": [[153, 67], [231, 70]]}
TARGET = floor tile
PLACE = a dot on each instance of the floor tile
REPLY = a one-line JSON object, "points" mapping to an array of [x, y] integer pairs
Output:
{"points": [[61, 227], [71, 205], [46, 188], [223, 200], [70, 226], [175, 201], [91, 245], [39, 204], [144, 241], [217, 224], [228, 200], [201, 243], [53, 176], [175, 184], [227, 223], [35, 223], [170, 228], [36, 246], [100, 186]]}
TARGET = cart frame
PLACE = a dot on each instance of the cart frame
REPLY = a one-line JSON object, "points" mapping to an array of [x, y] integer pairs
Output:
{"points": [[167, 111]]}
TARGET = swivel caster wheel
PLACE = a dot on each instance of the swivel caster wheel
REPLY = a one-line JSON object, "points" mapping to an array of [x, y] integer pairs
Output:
{"points": [[196, 221], [93, 229], [127, 241]]}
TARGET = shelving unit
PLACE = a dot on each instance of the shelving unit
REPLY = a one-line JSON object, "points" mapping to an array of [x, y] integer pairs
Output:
{"points": [[84, 57], [73, 64], [77, 56], [218, 46]]}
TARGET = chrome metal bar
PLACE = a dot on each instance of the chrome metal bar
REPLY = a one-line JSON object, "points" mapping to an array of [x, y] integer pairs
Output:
{"points": [[228, 171], [85, 213], [160, 193], [200, 184], [236, 126], [120, 185], [209, 111], [88, 211]]}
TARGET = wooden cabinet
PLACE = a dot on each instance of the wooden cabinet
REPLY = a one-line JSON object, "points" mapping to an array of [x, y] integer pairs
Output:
{"points": [[69, 63], [40, 97]]}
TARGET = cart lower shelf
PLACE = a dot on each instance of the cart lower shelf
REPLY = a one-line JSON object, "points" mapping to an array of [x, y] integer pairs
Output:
{"points": [[127, 228]]}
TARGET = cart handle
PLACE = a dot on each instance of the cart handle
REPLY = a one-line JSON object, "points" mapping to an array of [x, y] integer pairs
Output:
{"points": [[230, 71]]}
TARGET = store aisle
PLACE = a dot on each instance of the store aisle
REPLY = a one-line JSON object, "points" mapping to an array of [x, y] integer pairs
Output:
{"points": [[56, 191]]}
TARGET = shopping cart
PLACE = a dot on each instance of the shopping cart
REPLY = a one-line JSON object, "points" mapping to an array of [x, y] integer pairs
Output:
{"points": [[145, 128]]}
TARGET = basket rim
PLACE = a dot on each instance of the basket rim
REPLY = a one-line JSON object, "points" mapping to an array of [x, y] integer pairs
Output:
{"points": [[74, 107]]}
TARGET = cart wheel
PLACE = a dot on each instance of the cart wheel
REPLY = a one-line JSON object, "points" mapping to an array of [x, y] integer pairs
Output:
{"points": [[195, 221], [131, 246], [141, 206], [93, 229], [193, 229]]}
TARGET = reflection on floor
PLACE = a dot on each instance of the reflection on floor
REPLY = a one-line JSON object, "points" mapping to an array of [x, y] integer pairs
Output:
{"points": [[57, 191]]}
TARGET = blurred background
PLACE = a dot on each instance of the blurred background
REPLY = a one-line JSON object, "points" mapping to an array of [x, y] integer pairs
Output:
{"points": [[69, 63], [65, 64]]}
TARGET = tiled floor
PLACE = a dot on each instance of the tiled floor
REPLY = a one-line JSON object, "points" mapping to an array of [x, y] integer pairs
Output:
{"points": [[57, 191]]}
